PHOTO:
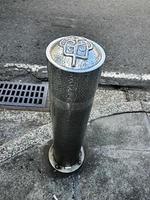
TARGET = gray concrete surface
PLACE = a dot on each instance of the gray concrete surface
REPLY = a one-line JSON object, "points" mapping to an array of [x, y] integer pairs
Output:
{"points": [[121, 27], [116, 167], [118, 159], [117, 145], [14, 139]]}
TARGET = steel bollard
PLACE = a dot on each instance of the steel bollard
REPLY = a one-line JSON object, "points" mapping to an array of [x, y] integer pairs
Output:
{"points": [[73, 72]]}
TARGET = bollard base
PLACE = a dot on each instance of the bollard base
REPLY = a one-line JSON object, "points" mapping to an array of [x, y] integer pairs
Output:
{"points": [[67, 169]]}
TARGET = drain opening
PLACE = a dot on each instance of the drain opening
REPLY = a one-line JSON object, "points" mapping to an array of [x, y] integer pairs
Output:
{"points": [[23, 94]]}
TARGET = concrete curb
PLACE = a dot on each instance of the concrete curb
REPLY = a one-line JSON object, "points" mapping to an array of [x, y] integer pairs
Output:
{"points": [[107, 78]]}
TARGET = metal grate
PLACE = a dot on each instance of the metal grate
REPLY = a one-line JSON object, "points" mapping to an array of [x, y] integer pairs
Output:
{"points": [[23, 94]]}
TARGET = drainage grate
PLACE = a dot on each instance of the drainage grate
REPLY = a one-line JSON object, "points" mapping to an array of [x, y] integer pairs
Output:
{"points": [[23, 94]]}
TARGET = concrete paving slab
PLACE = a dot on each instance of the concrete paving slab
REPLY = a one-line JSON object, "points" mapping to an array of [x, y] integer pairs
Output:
{"points": [[111, 101], [118, 156], [15, 124], [18, 145], [111, 175], [125, 131], [116, 167], [111, 109], [30, 177], [107, 101], [24, 129]]}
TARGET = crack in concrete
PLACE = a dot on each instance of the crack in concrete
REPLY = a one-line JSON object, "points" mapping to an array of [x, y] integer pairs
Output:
{"points": [[119, 113]]}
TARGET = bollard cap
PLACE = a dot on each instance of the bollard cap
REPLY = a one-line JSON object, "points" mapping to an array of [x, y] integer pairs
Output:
{"points": [[75, 54]]}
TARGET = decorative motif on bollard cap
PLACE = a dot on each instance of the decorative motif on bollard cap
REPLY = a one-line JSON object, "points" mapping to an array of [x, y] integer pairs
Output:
{"points": [[75, 54]]}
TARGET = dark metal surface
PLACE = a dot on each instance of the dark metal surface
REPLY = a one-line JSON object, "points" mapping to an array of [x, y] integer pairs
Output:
{"points": [[23, 94], [71, 97]]}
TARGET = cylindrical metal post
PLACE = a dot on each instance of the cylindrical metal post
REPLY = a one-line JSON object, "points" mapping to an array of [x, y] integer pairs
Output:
{"points": [[73, 71]]}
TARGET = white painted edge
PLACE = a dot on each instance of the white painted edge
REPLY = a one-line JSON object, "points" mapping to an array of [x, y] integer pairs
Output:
{"points": [[104, 74], [34, 68]]}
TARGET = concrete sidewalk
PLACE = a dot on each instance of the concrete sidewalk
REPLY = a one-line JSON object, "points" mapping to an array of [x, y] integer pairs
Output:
{"points": [[117, 147]]}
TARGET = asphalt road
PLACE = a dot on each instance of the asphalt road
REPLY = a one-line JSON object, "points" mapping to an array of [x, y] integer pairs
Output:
{"points": [[121, 27]]}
